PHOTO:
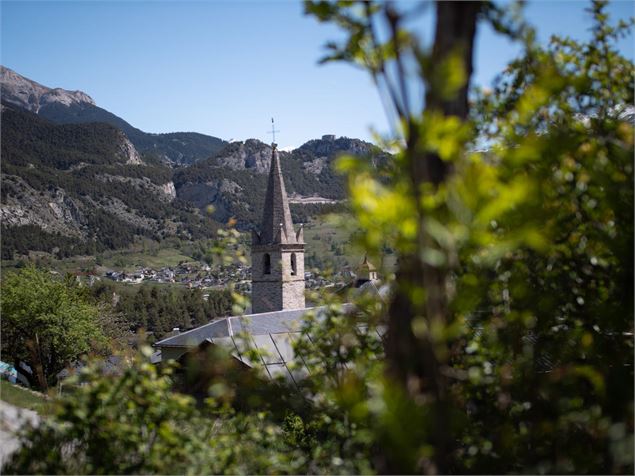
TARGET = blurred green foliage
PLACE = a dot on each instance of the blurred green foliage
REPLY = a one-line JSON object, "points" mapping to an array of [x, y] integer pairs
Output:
{"points": [[133, 423]]}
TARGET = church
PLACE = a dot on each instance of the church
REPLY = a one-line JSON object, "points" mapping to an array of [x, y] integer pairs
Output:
{"points": [[277, 296]]}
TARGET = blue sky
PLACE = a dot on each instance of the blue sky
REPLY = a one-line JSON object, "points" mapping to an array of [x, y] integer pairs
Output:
{"points": [[224, 68]]}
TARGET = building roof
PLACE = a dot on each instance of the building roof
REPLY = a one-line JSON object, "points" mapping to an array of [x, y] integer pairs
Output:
{"points": [[271, 333], [286, 320], [276, 226], [373, 287]]}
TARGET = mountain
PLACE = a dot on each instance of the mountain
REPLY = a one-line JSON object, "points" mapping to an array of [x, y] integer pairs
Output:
{"points": [[82, 188], [32, 96], [330, 146], [76, 107], [77, 179], [234, 179]]}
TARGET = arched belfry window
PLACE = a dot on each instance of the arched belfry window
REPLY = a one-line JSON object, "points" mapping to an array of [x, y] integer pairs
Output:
{"points": [[266, 265], [294, 268]]}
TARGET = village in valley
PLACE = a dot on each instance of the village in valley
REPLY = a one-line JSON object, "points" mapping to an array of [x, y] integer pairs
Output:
{"points": [[203, 276]]}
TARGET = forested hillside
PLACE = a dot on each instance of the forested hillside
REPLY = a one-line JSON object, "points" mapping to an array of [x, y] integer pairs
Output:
{"points": [[81, 188], [174, 148], [158, 309]]}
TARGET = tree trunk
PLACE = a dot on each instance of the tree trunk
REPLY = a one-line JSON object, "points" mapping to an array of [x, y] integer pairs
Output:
{"points": [[414, 361], [33, 346]]}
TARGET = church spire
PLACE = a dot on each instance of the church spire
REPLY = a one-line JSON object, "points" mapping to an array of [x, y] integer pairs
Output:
{"points": [[276, 226], [277, 252]]}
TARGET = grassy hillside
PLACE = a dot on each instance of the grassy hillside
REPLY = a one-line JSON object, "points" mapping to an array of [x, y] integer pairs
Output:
{"points": [[23, 398]]}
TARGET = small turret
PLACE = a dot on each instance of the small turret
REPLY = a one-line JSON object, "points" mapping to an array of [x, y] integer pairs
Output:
{"points": [[365, 272], [280, 236]]}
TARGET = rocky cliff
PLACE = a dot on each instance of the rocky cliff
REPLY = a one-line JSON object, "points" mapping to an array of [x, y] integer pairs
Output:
{"points": [[251, 154], [22, 92]]}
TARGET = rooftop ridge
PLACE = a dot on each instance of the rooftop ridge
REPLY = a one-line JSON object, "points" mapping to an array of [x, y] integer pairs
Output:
{"points": [[181, 334], [239, 321]]}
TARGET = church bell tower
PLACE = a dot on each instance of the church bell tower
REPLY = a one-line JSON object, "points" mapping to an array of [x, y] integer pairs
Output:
{"points": [[277, 251]]}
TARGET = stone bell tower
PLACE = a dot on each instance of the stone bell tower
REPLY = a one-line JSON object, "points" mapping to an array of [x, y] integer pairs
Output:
{"points": [[277, 251]]}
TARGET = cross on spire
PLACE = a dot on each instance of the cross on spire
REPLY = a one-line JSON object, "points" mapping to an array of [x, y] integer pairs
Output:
{"points": [[273, 131]]}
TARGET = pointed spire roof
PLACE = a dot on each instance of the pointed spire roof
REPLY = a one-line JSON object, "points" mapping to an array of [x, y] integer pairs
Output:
{"points": [[365, 264], [365, 272], [276, 226]]}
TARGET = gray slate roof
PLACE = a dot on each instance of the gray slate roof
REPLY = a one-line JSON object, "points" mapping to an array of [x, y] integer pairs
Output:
{"points": [[287, 320], [271, 333]]}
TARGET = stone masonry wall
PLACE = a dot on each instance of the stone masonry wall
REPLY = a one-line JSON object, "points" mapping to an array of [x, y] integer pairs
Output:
{"points": [[266, 297], [280, 289], [293, 295]]}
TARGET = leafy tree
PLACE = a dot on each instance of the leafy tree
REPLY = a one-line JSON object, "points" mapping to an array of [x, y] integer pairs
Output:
{"points": [[47, 322]]}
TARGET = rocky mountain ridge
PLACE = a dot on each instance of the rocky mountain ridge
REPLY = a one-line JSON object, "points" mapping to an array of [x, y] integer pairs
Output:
{"points": [[76, 107], [22, 92], [314, 155], [251, 154]]}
